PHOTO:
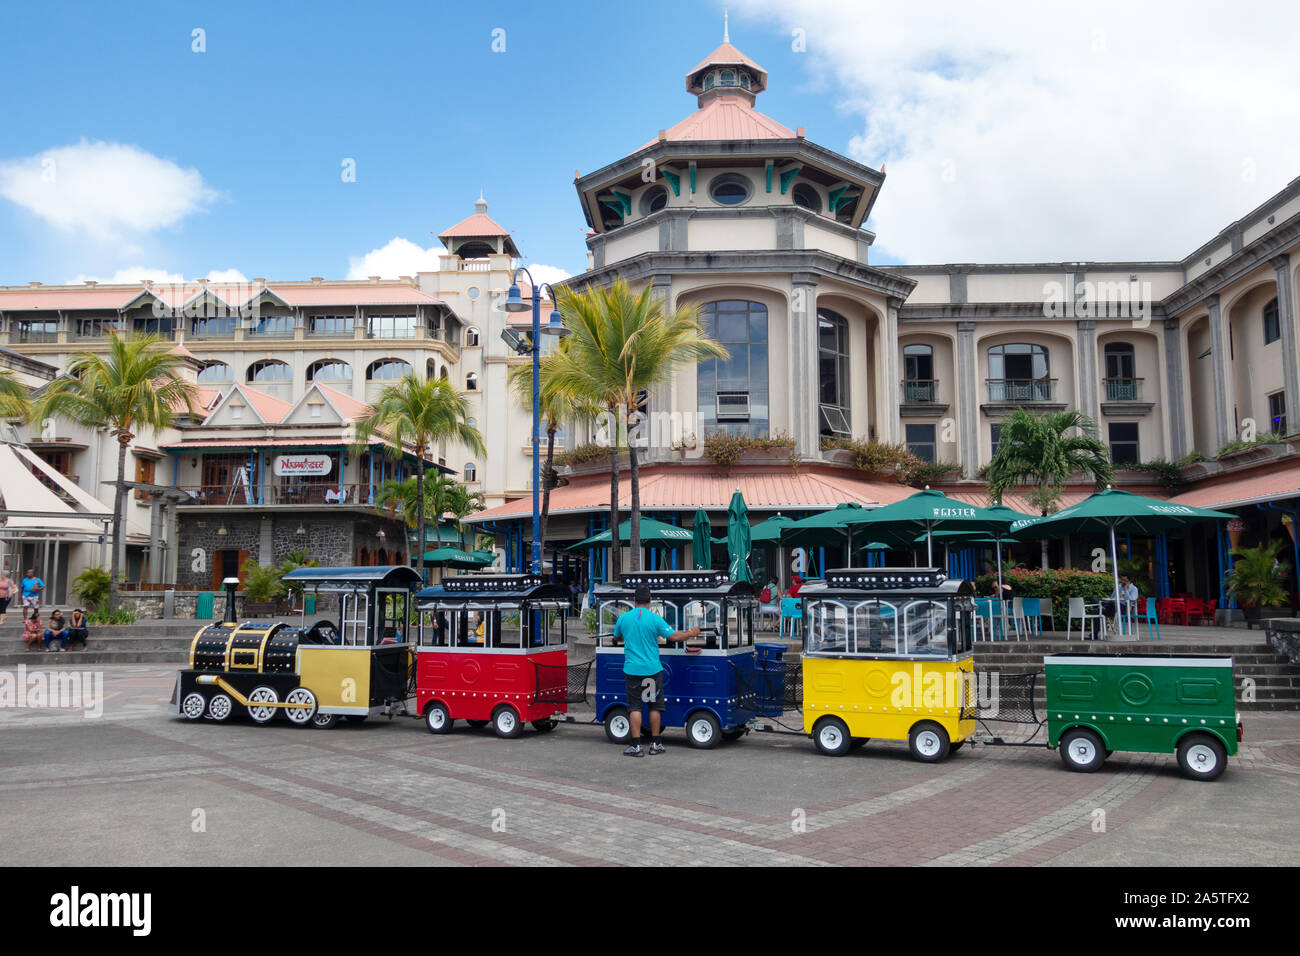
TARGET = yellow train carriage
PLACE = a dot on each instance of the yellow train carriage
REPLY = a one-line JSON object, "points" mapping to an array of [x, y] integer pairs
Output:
{"points": [[887, 655]]}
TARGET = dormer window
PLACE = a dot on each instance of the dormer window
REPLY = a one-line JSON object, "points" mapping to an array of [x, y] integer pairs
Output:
{"points": [[744, 80], [653, 199], [805, 195], [728, 78], [710, 80], [729, 189]]}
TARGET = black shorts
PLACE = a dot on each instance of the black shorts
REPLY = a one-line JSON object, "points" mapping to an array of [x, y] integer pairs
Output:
{"points": [[4, 605], [648, 691]]}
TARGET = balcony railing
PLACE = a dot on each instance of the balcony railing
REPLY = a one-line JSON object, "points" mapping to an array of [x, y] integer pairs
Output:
{"points": [[25, 337], [1123, 389], [277, 494], [920, 391], [1021, 390]]}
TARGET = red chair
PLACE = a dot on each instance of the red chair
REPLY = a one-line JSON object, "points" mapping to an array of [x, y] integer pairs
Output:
{"points": [[1172, 610], [1195, 611]]}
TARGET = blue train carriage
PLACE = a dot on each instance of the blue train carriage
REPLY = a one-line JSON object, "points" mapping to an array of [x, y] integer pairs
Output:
{"points": [[358, 664], [708, 692], [1099, 703]]}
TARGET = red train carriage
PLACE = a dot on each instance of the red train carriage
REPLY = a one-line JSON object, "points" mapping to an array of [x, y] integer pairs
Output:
{"points": [[493, 649]]}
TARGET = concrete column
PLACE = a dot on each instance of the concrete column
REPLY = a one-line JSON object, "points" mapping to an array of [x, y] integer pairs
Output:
{"points": [[661, 396], [965, 393], [173, 554], [1286, 320], [265, 543], [802, 365], [1176, 403], [155, 541], [1086, 363], [1224, 429], [891, 427]]}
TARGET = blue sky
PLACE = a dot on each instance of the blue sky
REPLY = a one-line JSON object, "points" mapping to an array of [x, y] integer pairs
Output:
{"points": [[412, 92], [1111, 131]]}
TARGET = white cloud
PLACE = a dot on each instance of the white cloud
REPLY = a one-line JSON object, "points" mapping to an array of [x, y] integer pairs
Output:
{"points": [[104, 189], [1029, 131], [133, 274], [398, 257], [542, 273]]}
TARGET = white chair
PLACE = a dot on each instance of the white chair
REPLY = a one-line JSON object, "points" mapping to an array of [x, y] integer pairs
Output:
{"points": [[770, 614], [1083, 613]]}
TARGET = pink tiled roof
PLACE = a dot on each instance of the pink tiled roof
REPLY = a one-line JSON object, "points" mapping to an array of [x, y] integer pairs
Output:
{"points": [[1015, 502], [479, 224], [203, 399], [350, 408], [723, 55], [726, 118], [1282, 482], [677, 488], [60, 297], [363, 293], [175, 295], [272, 409]]}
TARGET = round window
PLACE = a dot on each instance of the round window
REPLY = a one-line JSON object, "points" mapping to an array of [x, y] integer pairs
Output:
{"points": [[653, 199], [806, 196], [729, 189], [472, 292]]}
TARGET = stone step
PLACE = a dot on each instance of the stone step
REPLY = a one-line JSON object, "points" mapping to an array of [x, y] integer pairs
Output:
{"points": [[43, 659]]}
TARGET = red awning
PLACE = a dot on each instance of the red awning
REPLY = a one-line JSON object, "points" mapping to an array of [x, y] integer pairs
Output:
{"points": [[1282, 482]]}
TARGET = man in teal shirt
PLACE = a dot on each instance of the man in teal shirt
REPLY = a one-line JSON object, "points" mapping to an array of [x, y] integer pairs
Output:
{"points": [[640, 630]]}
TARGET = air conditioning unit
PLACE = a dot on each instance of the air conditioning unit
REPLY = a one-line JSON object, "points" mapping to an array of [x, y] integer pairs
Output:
{"points": [[733, 406]]}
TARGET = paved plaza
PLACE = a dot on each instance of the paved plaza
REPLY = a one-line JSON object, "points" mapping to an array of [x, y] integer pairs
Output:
{"points": [[138, 786]]}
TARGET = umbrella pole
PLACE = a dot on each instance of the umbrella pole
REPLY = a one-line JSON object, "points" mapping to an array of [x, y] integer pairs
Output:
{"points": [[929, 546], [849, 557], [1114, 566]]}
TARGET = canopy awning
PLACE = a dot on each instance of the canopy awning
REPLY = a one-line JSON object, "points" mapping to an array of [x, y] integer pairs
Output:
{"points": [[1273, 485], [43, 512]]}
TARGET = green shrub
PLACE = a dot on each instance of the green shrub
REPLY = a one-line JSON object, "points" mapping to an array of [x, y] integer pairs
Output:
{"points": [[91, 586], [1058, 586], [582, 454], [123, 615], [1257, 578], [881, 460], [262, 584], [591, 620], [725, 448]]}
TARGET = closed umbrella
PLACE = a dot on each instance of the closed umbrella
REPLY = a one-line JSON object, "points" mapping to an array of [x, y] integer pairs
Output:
{"points": [[702, 543], [1114, 511], [738, 539]]}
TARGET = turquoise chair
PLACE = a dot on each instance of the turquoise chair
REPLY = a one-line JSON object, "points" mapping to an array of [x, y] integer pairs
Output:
{"points": [[1150, 617], [984, 615], [792, 611], [1031, 612]]}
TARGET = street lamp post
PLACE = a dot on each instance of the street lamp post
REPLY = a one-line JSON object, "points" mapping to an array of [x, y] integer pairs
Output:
{"points": [[515, 303]]}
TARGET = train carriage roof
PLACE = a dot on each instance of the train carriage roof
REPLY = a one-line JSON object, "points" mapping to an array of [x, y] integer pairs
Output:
{"points": [[495, 589], [678, 585], [342, 579], [895, 583]]}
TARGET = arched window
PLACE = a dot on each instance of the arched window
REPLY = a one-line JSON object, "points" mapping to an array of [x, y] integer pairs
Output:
{"points": [[728, 78], [733, 393], [270, 370], [471, 381], [653, 199], [471, 337], [806, 195], [444, 374], [471, 472], [833, 373], [744, 80], [387, 370], [215, 373], [329, 370], [1019, 372], [919, 384], [730, 189], [475, 249], [1272, 326], [710, 80], [472, 422]]}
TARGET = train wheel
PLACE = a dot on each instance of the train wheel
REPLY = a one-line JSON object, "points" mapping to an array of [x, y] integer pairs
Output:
{"points": [[437, 718], [545, 726], [194, 705], [928, 742], [506, 722], [476, 724], [702, 730], [257, 701], [324, 721], [1082, 750], [618, 728], [1201, 757], [831, 736], [220, 707], [300, 716]]}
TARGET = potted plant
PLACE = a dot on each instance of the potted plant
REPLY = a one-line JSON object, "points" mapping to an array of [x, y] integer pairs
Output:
{"points": [[1258, 582], [262, 589]]}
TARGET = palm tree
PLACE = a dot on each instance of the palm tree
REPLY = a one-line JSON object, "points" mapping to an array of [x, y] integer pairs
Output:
{"points": [[420, 413], [14, 402], [400, 497], [135, 384], [1043, 451], [462, 503], [622, 345], [555, 409]]}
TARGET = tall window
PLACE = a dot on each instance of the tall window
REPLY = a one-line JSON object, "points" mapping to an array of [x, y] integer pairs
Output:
{"points": [[995, 435], [732, 392], [145, 473], [329, 370], [274, 325], [1018, 372], [1124, 443], [1277, 412], [1272, 325], [269, 371], [215, 373], [330, 325], [214, 325], [918, 374], [1121, 373], [387, 370], [471, 472], [833, 373], [392, 326], [471, 337], [920, 441]]}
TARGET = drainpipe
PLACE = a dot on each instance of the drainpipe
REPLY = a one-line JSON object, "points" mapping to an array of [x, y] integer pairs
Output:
{"points": [[1225, 565]]}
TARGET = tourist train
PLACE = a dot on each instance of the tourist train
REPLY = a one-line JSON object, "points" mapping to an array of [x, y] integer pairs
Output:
{"points": [[887, 654]]}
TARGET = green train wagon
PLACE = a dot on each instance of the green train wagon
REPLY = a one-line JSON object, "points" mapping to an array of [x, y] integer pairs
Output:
{"points": [[1099, 703]]}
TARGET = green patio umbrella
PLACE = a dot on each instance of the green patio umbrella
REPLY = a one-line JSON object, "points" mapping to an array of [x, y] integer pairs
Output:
{"points": [[1114, 511], [931, 511], [769, 531], [456, 558], [652, 532], [738, 539], [702, 543], [824, 529]]}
